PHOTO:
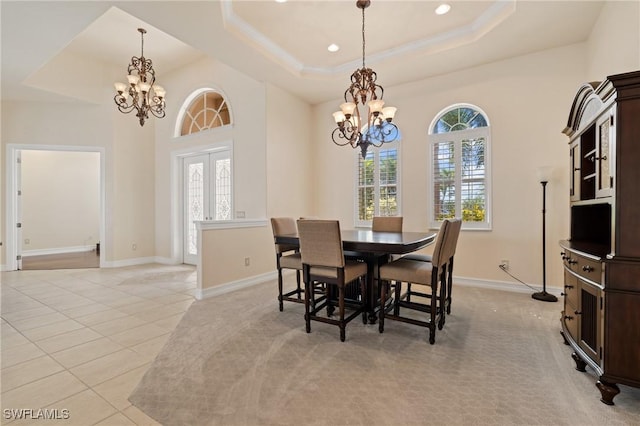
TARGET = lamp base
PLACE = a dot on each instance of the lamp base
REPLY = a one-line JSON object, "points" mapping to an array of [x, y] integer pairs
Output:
{"points": [[544, 296]]}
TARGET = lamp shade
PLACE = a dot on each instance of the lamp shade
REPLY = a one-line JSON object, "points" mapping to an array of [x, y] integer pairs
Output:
{"points": [[545, 173]]}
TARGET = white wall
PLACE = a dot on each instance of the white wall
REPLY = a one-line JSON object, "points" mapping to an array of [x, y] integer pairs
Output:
{"points": [[60, 201], [614, 43]]}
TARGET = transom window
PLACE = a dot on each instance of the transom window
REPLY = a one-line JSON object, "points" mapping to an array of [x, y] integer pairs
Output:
{"points": [[378, 183], [206, 111], [460, 173]]}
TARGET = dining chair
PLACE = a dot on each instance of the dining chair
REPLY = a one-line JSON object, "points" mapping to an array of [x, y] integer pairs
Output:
{"points": [[455, 233], [387, 224], [323, 261], [287, 257], [431, 274]]}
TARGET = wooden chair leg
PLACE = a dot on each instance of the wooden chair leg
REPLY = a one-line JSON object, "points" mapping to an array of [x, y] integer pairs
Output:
{"points": [[363, 298], [383, 299], [299, 288], [308, 288], [281, 306], [396, 302], [434, 307], [341, 312]]}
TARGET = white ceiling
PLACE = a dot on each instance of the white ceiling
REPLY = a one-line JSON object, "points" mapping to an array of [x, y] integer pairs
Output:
{"points": [[45, 43]]}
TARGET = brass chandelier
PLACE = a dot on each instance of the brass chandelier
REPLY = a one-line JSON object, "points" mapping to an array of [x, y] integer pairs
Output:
{"points": [[374, 128], [141, 94]]}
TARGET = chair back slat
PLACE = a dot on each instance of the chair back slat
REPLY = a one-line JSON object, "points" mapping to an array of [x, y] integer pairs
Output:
{"points": [[387, 224], [438, 257], [283, 226], [453, 232], [321, 243]]}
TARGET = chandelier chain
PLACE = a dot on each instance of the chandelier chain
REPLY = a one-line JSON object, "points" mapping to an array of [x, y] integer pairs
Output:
{"points": [[363, 42]]}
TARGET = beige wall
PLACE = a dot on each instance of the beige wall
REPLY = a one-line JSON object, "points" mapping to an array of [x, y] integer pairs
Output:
{"points": [[290, 174], [247, 101], [129, 167], [60, 200], [527, 100], [614, 43]]}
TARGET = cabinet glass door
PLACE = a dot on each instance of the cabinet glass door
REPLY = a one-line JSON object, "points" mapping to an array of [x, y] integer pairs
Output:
{"points": [[574, 189], [604, 173]]}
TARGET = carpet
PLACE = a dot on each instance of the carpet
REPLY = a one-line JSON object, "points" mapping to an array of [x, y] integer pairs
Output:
{"points": [[500, 360]]}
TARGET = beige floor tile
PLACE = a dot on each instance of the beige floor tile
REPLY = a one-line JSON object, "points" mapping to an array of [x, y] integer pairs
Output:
{"points": [[172, 298], [118, 389], [117, 419], [169, 323], [139, 417], [151, 348], [159, 313], [17, 354], [29, 371], [109, 366], [139, 307], [26, 313], [39, 321], [11, 337], [81, 311], [85, 408], [50, 330], [68, 340], [100, 317], [117, 325], [138, 335], [86, 352], [43, 392]]}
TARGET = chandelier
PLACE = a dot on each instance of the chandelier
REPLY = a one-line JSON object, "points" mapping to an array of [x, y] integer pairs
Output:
{"points": [[374, 128], [141, 94]]}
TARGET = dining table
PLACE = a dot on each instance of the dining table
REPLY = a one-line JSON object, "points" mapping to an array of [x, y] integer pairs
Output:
{"points": [[374, 248]]}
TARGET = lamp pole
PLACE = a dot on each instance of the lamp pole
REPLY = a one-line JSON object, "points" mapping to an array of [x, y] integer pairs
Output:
{"points": [[543, 295]]}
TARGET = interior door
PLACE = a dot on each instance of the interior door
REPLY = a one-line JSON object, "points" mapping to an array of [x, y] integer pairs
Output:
{"points": [[196, 189], [207, 195], [18, 177]]}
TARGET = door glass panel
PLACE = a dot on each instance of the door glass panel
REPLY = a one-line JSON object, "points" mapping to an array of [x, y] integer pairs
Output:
{"points": [[195, 204], [223, 189], [604, 180]]}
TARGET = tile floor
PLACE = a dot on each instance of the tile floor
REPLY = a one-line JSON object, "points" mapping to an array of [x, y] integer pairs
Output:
{"points": [[80, 340]]}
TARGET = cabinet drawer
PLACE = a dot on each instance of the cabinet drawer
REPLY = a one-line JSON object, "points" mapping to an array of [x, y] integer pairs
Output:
{"points": [[585, 267], [589, 269], [570, 289], [570, 321]]}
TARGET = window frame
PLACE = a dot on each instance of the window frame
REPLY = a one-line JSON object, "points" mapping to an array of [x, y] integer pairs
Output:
{"points": [[457, 137], [376, 191]]}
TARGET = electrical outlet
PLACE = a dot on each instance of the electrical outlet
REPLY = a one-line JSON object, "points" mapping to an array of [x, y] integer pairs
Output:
{"points": [[505, 264], [247, 261], [27, 241], [134, 247]]}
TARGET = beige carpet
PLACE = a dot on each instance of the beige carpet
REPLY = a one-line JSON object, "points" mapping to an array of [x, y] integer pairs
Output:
{"points": [[500, 360]]}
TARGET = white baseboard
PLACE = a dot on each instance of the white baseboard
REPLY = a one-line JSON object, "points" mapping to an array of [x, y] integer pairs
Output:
{"points": [[167, 260], [58, 250], [502, 285], [235, 285], [127, 262]]}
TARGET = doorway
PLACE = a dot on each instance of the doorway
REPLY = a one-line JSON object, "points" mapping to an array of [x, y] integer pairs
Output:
{"points": [[207, 195], [55, 200]]}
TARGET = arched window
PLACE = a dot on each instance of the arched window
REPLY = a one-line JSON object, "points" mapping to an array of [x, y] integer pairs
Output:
{"points": [[378, 182], [460, 168], [206, 111]]}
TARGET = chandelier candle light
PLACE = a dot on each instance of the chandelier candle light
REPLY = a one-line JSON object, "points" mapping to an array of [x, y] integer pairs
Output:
{"points": [[141, 94], [376, 128]]}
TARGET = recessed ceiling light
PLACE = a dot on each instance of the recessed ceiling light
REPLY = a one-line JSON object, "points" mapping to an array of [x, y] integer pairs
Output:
{"points": [[442, 9], [281, 1], [333, 47]]}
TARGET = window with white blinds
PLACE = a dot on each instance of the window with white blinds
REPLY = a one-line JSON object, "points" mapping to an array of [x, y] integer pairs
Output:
{"points": [[378, 184], [460, 169]]}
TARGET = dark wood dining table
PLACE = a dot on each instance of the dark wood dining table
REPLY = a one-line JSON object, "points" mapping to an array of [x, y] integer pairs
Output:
{"points": [[374, 248]]}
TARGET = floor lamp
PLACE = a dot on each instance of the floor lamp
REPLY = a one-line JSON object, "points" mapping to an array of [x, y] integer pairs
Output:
{"points": [[544, 173]]}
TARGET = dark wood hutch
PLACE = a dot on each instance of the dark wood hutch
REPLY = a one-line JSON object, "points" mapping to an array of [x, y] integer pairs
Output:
{"points": [[601, 316]]}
